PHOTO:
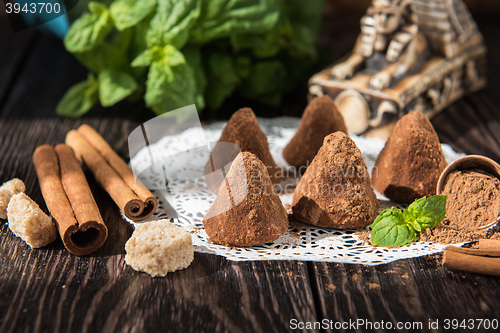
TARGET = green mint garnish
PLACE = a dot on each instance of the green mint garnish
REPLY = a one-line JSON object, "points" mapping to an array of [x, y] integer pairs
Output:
{"points": [[394, 227]]}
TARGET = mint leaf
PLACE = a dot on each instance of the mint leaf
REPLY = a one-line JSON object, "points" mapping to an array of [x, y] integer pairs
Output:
{"points": [[139, 43], [115, 32], [243, 66], [103, 56], [123, 39], [222, 79], [172, 56], [222, 18], [79, 98], [393, 227], [427, 212], [146, 57], [90, 29], [171, 83], [266, 80], [168, 54], [127, 13], [115, 86], [172, 22], [390, 229], [192, 54], [414, 224]]}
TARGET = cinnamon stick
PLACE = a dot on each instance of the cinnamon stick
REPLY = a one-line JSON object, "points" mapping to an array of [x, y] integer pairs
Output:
{"points": [[117, 163], [489, 244], [474, 252], [81, 227], [126, 199], [471, 263]]}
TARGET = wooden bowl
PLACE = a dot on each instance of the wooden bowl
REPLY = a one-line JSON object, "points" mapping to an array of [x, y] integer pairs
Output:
{"points": [[468, 162]]}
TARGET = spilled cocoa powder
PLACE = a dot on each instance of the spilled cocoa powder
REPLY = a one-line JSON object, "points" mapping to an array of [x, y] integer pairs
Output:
{"points": [[472, 208], [364, 236], [330, 287]]}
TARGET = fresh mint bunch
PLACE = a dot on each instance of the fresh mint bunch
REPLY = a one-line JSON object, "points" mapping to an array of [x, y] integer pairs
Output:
{"points": [[173, 53], [394, 227]]}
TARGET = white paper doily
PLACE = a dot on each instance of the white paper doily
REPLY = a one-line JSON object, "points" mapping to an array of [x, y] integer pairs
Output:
{"points": [[191, 199]]}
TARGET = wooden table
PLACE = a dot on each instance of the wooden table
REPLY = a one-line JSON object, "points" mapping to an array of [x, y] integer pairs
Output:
{"points": [[50, 290]]}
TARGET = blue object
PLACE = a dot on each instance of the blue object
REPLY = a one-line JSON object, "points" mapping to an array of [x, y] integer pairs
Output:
{"points": [[58, 26]]}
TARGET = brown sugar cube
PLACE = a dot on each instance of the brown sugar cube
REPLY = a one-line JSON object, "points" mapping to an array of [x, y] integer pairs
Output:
{"points": [[7, 190], [409, 166], [247, 210], [28, 221], [159, 247], [320, 119], [335, 191]]}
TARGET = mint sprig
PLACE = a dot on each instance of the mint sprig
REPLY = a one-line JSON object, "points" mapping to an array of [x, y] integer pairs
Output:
{"points": [[174, 53], [394, 227]]}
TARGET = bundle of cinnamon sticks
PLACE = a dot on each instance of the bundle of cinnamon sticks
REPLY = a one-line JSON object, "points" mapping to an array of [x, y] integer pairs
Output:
{"points": [[484, 260], [69, 198], [112, 173]]}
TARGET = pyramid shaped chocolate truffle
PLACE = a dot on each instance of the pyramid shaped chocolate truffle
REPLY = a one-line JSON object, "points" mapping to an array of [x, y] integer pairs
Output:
{"points": [[409, 166], [320, 118], [243, 130], [247, 210], [335, 191]]}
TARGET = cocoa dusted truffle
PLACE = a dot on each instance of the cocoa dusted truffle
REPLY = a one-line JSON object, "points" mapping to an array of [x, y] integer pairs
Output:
{"points": [[335, 191], [320, 118], [247, 210], [409, 166], [243, 130]]}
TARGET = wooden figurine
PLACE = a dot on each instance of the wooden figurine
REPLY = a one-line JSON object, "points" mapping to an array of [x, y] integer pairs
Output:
{"points": [[411, 55]]}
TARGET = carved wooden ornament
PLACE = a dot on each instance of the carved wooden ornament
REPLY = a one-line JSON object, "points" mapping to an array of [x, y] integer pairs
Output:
{"points": [[411, 55]]}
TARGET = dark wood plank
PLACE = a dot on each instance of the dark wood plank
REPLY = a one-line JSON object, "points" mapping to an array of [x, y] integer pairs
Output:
{"points": [[51, 290], [48, 289], [407, 291]]}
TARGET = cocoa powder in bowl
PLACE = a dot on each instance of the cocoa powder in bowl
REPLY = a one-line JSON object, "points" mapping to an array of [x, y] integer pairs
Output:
{"points": [[472, 207]]}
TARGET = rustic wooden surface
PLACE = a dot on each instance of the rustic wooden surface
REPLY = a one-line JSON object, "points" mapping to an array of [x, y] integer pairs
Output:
{"points": [[50, 290]]}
